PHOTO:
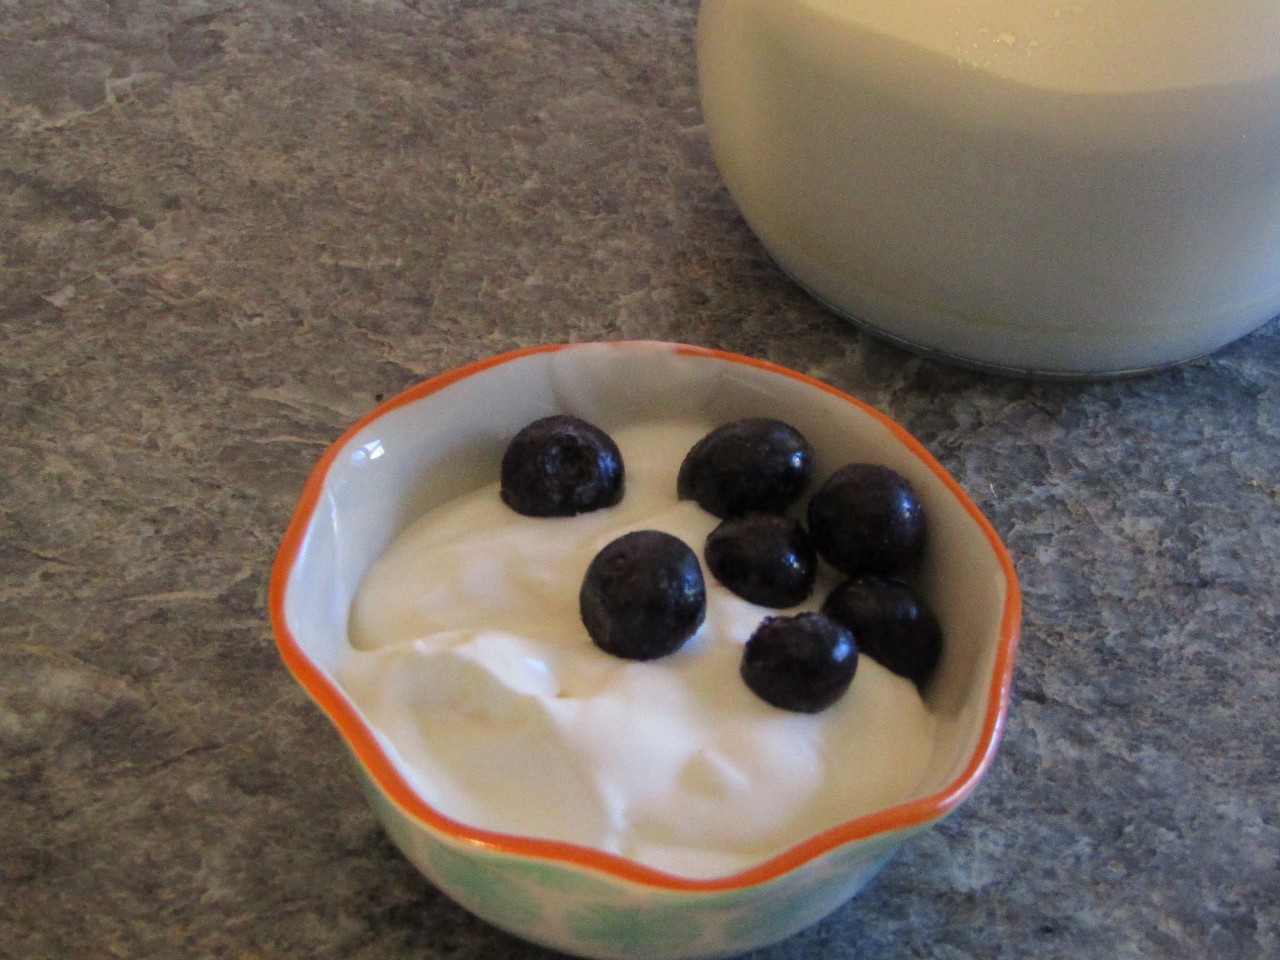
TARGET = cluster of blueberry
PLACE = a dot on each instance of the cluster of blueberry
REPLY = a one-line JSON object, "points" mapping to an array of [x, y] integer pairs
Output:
{"points": [[643, 594]]}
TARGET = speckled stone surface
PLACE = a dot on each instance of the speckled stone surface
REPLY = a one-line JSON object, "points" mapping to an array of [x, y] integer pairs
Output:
{"points": [[227, 228]]}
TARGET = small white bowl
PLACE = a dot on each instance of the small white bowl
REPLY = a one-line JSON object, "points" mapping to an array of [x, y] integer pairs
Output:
{"points": [[446, 436]]}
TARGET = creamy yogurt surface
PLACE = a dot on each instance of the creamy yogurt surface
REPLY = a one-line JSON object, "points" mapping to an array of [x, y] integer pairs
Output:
{"points": [[469, 658]]}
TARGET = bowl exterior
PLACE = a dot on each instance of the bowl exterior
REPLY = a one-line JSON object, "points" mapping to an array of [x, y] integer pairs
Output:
{"points": [[591, 914]]}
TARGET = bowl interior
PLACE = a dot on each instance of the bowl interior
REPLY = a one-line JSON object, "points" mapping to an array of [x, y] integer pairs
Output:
{"points": [[447, 435]]}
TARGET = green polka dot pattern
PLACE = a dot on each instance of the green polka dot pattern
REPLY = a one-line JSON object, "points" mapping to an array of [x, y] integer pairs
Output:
{"points": [[572, 909]]}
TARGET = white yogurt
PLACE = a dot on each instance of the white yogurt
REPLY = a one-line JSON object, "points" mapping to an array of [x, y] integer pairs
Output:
{"points": [[1066, 187], [469, 658]]}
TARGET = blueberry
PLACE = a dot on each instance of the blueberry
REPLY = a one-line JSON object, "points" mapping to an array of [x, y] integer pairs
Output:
{"points": [[756, 464], [643, 595], [893, 625], [802, 663], [867, 519], [560, 466], [764, 558]]}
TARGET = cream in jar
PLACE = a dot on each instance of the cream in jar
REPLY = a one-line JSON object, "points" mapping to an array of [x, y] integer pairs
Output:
{"points": [[1070, 188]]}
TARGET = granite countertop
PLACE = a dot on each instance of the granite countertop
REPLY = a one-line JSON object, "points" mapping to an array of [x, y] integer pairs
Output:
{"points": [[227, 229]]}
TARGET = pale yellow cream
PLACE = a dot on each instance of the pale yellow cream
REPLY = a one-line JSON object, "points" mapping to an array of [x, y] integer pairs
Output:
{"points": [[1064, 187]]}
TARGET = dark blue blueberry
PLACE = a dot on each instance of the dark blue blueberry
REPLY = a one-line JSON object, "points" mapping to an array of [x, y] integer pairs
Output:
{"points": [[643, 595], [894, 627], [763, 558], [803, 663], [756, 464], [560, 466], [867, 519]]}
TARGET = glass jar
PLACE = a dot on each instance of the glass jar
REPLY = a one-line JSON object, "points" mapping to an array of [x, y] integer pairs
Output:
{"points": [[1075, 189]]}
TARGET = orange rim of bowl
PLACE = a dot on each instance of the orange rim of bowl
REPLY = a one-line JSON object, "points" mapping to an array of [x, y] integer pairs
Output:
{"points": [[360, 737]]}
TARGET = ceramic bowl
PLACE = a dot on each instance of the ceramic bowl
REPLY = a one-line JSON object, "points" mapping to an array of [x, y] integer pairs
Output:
{"points": [[447, 435]]}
